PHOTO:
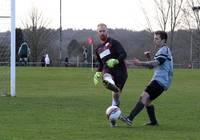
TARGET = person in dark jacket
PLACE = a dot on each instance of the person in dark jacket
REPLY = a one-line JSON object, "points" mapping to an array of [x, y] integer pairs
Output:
{"points": [[23, 53], [112, 68]]}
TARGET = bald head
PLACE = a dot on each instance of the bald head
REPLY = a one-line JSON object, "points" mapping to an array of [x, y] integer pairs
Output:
{"points": [[102, 32], [101, 24]]}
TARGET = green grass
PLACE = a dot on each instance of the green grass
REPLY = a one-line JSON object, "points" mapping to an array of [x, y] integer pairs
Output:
{"points": [[63, 104]]}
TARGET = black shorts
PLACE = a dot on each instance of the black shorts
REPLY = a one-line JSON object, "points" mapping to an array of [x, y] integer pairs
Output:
{"points": [[154, 89], [120, 78]]}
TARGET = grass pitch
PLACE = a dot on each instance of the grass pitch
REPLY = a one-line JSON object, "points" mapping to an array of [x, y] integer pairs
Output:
{"points": [[63, 104]]}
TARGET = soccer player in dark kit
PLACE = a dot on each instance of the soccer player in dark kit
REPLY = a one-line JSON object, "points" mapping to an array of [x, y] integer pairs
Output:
{"points": [[112, 68]]}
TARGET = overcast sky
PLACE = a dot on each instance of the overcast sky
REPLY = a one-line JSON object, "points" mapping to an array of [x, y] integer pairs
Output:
{"points": [[79, 14]]}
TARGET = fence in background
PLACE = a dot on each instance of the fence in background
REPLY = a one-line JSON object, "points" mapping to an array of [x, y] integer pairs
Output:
{"points": [[195, 65]]}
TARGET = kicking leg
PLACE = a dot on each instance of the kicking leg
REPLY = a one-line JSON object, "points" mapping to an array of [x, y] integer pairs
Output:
{"points": [[143, 101], [109, 83], [116, 99]]}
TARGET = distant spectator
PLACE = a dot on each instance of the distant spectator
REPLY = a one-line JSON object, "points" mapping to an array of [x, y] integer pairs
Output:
{"points": [[47, 60], [23, 53], [189, 66], [43, 61], [66, 61]]}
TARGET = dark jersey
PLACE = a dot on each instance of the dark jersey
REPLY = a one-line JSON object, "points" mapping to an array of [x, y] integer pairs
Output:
{"points": [[23, 50], [111, 49]]}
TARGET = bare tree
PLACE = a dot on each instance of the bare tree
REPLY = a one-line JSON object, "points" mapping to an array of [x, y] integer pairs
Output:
{"points": [[175, 9], [37, 35], [168, 14], [162, 11], [192, 21], [150, 29], [194, 5]]}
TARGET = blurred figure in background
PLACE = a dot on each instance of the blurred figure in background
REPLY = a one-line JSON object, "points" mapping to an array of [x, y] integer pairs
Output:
{"points": [[66, 61], [43, 61], [47, 60], [23, 53]]}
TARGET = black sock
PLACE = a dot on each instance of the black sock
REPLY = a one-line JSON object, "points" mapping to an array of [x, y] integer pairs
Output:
{"points": [[151, 114], [136, 110]]}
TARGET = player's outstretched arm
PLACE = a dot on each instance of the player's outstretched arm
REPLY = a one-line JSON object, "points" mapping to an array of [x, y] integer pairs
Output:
{"points": [[148, 64]]}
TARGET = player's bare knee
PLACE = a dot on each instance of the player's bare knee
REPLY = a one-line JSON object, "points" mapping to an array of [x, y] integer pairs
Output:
{"points": [[108, 77], [144, 98]]}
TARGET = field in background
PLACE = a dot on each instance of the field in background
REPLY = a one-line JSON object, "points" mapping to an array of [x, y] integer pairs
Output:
{"points": [[63, 104]]}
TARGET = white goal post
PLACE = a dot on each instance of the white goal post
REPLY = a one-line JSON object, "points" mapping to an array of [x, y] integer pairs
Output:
{"points": [[8, 49], [13, 50]]}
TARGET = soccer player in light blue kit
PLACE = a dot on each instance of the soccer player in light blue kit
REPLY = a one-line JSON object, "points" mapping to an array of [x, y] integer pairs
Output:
{"points": [[161, 80]]}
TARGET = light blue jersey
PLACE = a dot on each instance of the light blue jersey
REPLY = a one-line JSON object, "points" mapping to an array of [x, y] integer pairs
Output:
{"points": [[163, 73]]}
